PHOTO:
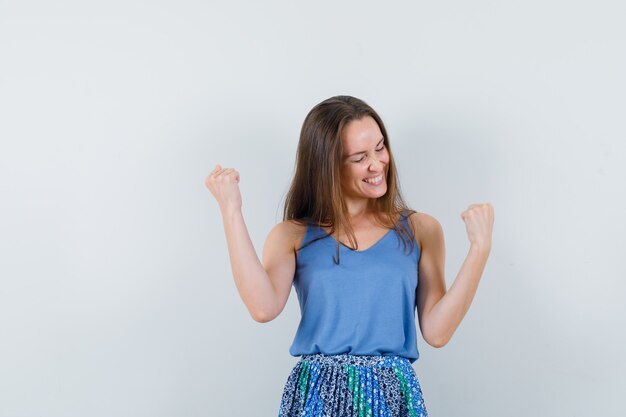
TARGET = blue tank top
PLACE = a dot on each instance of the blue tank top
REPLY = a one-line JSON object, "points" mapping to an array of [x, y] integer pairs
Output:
{"points": [[365, 305]]}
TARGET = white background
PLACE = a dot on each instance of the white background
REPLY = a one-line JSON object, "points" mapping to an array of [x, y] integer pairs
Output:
{"points": [[116, 294]]}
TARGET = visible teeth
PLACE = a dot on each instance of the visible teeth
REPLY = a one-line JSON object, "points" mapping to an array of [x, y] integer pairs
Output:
{"points": [[374, 180]]}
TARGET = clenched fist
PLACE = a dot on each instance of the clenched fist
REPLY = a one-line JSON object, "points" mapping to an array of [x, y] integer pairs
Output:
{"points": [[478, 220], [223, 183]]}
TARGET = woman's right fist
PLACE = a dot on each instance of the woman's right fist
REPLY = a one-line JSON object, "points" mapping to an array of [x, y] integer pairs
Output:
{"points": [[223, 183]]}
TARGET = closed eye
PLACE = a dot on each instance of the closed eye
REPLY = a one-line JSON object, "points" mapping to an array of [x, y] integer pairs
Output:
{"points": [[377, 150]]}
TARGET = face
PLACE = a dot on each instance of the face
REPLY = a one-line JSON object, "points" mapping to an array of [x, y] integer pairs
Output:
{"points": [[365, 159]]}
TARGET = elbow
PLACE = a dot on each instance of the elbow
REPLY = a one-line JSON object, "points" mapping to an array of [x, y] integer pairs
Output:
{"points": [[438, 343], [434, 335], [263, 316]]}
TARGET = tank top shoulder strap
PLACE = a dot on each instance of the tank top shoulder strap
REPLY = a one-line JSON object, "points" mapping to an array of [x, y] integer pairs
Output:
{"points": [[404, 216], [313, 231]]}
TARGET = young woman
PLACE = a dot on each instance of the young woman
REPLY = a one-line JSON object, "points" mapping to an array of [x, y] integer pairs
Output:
{"points": [[355, 254]]}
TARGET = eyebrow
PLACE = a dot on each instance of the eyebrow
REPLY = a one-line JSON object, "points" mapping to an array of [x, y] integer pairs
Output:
{"points": [[356, 153]]}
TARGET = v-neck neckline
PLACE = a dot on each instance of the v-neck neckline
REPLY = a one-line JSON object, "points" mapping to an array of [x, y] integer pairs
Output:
{"points": [[364, 250], [369, 248]]}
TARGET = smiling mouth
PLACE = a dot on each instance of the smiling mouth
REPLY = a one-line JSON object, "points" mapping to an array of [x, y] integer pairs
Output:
{"points": [[374, 181]]}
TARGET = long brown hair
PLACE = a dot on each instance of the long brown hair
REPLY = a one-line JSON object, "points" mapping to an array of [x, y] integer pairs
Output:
{"points": [[315, 195]]}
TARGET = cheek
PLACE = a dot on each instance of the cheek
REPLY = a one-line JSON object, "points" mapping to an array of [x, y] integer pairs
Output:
{"points": [[356, 174], [348, 173]]}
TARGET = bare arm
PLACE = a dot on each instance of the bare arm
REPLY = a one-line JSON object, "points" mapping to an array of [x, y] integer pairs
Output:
{"points": [[441, 311], [263, 289], [251, 279]]}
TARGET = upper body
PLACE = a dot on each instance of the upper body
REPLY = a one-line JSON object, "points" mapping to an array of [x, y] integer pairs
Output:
{"points": [[346, 182], [367, 185]]}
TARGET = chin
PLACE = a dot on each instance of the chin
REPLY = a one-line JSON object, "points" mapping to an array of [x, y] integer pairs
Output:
{"points": [[377, 193]]}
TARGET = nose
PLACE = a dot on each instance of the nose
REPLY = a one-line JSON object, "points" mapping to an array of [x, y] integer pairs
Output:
{"points": [[376, 164]]}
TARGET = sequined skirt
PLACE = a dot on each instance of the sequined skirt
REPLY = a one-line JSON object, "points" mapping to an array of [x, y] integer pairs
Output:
{"points": [[352, 386]]}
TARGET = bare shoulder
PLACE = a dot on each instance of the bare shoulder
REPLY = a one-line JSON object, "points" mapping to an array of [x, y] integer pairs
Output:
{"points": [[289, 233], [424, 226], [279, 260]]}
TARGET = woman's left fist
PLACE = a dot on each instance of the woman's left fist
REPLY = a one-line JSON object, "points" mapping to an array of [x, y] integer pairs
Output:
{"points": [[478, 220]]}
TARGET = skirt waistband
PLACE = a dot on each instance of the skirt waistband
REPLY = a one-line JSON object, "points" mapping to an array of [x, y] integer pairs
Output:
{"points": [[386, 361]]}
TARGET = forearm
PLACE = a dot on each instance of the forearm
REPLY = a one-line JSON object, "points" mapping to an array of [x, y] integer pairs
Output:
{"points": [[448, 312], [251, 279]]}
